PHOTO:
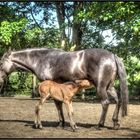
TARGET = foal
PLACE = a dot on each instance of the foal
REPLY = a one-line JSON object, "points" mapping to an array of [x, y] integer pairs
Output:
{"points": [[61, 92]]}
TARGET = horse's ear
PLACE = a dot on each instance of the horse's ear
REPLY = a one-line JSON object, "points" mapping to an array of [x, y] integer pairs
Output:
{"points": [[9, 51]]}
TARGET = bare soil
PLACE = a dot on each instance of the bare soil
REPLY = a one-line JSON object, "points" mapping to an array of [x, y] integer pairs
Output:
{"points": [[17, 119]]}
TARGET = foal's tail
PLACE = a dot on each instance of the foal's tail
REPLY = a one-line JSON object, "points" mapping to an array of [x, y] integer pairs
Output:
{"points": [[123, 86]]}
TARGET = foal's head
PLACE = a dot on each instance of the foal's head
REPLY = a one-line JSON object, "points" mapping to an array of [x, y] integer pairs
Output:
{"points": [[84, 83]]}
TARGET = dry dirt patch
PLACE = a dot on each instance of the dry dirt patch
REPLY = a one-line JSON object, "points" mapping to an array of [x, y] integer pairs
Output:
{"points": [[17, 118]]}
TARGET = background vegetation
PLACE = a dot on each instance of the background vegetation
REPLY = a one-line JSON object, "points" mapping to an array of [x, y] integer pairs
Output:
{"points": [[71, 26]]}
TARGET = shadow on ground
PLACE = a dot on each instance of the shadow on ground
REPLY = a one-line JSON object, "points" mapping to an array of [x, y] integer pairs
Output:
{"points": [[83, 125]]}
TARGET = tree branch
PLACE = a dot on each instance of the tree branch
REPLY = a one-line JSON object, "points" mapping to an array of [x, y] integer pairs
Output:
{"points": [[34, 18]]}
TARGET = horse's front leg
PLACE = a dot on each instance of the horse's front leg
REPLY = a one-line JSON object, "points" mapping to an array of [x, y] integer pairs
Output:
{"points": [[58, 105]]}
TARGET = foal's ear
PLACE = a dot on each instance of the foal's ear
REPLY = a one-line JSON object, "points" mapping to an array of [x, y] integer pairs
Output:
{"points": [[77, 81]]}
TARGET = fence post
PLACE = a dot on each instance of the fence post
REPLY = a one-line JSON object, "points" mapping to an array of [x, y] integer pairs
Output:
{"points": [[83, 94], [34, 93]]}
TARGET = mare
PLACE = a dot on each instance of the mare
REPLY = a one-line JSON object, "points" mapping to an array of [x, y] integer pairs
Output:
{"points": [[99, 66], [61, 92]]}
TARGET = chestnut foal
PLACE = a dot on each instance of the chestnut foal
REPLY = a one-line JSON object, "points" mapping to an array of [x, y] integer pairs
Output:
{"points": [[61, 92]]}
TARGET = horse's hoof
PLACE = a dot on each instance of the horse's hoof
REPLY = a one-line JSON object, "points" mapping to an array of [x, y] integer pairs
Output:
{"points": [[61, 124], [116, 126], [99, 126]]}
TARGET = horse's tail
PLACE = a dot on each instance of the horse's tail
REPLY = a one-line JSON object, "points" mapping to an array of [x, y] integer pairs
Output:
{"points": [[123, 86]]}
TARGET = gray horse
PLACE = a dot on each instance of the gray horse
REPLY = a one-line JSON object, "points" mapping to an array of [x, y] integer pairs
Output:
{"points": [[99, 66]]}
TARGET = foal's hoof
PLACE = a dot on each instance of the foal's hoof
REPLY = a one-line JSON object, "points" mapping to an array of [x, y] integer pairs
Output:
{"points": [[74, 128], [40, 127], [116, 126], [37, 126]]}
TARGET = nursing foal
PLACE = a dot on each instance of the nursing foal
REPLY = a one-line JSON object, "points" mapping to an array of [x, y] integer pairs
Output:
{"points": [[61, 92]]}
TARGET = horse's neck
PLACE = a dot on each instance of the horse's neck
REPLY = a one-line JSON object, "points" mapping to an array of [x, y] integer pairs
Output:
{"points": [[22, 62]]}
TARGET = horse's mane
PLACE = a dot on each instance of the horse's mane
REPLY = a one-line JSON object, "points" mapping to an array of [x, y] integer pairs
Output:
{"points": [[8, 53], [37, 48]]}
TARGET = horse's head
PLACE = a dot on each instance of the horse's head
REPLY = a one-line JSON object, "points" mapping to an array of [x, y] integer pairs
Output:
{"points": [[6, 64]]}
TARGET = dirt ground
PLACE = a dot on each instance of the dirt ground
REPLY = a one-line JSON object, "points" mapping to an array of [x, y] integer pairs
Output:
{"points": [[17, 118]]}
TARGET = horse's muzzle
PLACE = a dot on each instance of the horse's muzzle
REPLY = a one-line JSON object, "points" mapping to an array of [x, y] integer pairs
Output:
{"points": [[2, 77]]}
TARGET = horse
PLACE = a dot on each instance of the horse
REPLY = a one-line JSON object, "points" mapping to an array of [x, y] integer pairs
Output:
{"points": [[99, 66], [61, 92]]}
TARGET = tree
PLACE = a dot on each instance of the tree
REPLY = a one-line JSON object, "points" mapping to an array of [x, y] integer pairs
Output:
{"points": [[77, 26], [60, 9], [81, 25]]}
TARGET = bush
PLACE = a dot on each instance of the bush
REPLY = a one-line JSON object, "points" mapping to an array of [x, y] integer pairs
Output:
{"points": [[19, 83]]}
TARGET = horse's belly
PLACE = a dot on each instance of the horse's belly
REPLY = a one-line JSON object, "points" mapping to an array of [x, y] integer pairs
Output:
{"points": [[66, 76], [78, 75]]}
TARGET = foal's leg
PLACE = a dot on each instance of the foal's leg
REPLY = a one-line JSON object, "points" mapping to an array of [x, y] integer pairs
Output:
{"points": [[60, 113], [114, 94], [37, 112], [105, 102], [71, 108], [68, 108]]}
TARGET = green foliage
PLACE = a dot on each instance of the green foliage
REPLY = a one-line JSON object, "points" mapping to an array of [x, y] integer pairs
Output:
{"points": [[133, 74], [32, 24], [8, 30], [20, 83], [32, 33]]}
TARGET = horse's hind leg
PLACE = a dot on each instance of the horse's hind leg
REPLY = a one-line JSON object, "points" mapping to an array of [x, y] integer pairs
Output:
{"points": [[38, 107], [105, 102], [58, 105], [114, 94]]}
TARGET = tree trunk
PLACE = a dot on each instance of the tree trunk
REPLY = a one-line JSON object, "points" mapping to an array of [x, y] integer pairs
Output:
{"points": [[77, 31], [60, 9]]}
